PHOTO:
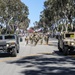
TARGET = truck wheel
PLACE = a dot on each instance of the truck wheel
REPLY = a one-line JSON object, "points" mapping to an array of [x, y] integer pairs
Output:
{"points": [[14, 52], [60, 50], [18, 51], [65, 50]]}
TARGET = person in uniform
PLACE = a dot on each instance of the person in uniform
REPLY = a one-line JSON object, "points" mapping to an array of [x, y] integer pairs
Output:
{"points": [[26, 39], [36, 39], [31, 39], [41, 38], [46, 38]]}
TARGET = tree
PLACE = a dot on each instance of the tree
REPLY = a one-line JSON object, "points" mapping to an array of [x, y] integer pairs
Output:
{"points": [[13, 12], [58, 9]]}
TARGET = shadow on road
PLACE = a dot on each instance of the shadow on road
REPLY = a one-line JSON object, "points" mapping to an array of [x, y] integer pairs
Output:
{"points": [[61, 53], [46, 65], [4, 55]]}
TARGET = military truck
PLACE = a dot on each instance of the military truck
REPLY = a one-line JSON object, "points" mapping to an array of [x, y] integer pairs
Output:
{"points": [[9, 43], [66, 42]]}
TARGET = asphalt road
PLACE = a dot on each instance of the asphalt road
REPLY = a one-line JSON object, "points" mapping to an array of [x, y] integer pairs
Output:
{"points": [[37, 60]]}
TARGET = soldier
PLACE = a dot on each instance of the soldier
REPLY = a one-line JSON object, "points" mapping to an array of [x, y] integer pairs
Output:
{"points": [[41, 38], [26, 39], [46, 38], [36, 39], [31, 39]]}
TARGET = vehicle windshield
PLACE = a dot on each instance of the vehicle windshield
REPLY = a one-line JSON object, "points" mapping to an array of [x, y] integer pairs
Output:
{"points": [[0, 37], [69, 35], [10, 37]]}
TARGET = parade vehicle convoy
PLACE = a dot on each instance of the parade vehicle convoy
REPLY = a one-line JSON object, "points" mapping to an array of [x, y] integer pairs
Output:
{"points": [[66, 42], [9, 43]]}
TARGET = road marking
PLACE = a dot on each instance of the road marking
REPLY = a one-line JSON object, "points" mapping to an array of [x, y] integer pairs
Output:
{"points": [[5, 59]]}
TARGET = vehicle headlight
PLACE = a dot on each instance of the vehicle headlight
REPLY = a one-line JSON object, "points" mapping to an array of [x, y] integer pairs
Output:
{"points": [[72, 43], [7, 45]]}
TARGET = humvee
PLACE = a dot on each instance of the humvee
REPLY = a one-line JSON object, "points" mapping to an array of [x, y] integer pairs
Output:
{"points": [[10, 43], [66, 42]]}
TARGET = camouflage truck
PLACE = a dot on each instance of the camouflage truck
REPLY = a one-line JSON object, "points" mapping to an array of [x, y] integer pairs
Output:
{"points": [[66, 42], [9, 43]]}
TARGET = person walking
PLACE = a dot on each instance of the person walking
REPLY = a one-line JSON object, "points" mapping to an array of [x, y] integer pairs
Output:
{"points": [[46, 38], [26, 40]]}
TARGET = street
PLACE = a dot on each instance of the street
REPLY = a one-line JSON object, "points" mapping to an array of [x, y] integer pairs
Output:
{"points": [[37, 60]]}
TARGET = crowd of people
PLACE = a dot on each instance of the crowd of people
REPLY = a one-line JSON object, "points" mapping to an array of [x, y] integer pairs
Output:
{"points": [[34, 38]]}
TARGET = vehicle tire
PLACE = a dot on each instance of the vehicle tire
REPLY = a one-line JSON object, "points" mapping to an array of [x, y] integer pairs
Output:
{"points": [[18, 51], [60, 50], [21, 39], [65, 50], [14, 52]]}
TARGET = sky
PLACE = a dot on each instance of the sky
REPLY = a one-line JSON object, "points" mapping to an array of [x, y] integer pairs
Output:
{"points": [[35, 7]]}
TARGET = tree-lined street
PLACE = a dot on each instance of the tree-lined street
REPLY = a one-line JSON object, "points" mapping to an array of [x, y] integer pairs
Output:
{"points": [[47, 48]]}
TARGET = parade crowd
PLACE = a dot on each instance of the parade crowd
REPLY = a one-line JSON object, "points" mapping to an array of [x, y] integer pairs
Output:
{"points": [[34, 38]]}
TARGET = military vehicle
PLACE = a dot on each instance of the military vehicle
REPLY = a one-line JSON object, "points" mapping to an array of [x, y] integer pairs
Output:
{"points": [[66, 42], [9, 43]]}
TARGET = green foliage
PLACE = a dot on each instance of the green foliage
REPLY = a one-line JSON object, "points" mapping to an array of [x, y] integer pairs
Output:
{"points": [[59, 27], [14, 12], [3, 31], [69, 27], [55, 10]]}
